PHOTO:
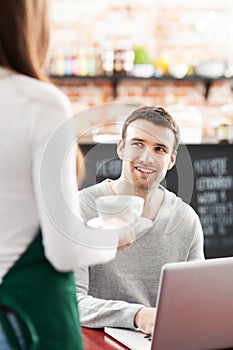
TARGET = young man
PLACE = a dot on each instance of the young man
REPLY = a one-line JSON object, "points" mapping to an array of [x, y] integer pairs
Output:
{"points": [[123, 292]]}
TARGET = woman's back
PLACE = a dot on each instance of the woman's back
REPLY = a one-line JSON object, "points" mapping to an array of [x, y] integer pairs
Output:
{"points": [[30, 111], [36, 254]]}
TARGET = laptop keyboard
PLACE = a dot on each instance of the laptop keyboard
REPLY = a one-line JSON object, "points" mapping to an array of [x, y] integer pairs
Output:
{"points": [[148, 337]]}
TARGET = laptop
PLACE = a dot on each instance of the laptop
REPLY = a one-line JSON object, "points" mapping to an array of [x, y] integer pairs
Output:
{"points": [[194, 309]]}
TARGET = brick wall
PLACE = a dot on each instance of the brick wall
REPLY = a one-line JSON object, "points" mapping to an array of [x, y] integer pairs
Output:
{"points": [[193, 30], [190, 31]]}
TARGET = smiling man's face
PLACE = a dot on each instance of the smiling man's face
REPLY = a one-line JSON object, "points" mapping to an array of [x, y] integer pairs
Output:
{"points": [[147, 154]]}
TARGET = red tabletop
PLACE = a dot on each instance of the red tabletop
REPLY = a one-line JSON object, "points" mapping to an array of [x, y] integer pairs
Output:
{"points": [[96, 339]]}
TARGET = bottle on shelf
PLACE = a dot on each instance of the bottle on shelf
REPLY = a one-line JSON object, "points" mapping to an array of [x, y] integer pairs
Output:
{"points": [[75, 63], [227, 112], [82, 62], [223, 133], [98, 61], [68, 63], [123, 57], [108, 61], [91, 62], [58, 63], [128, 64]]}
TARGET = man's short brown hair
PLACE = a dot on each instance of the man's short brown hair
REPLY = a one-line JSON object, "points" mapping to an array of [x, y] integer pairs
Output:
{"points": [[156, 115]]}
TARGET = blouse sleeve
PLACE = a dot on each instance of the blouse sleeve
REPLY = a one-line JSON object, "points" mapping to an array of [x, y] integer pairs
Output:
{"points": [[68, 242]]}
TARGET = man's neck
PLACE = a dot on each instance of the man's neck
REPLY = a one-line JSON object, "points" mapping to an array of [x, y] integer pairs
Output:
{"points": [[153, 198]]}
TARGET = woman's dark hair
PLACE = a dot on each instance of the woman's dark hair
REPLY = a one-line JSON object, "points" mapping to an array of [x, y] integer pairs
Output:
{"points": [[24, 36]]}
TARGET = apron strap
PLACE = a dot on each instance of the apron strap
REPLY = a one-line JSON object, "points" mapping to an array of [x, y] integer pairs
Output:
{"points": [[26, 327], [9, 331]]}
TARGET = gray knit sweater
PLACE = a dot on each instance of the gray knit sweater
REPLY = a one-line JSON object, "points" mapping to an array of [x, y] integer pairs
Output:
{"points": [[112, 293]]}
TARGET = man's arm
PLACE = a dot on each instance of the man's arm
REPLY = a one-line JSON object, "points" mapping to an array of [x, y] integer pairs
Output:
{"points": [[98, 313], [197, 247]]}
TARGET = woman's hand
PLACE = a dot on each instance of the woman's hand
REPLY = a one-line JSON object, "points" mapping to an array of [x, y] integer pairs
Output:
{"points": [[126, 232]]}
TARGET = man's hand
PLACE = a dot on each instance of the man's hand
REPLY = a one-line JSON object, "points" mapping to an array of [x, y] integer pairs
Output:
{"points": [[145, 319]]}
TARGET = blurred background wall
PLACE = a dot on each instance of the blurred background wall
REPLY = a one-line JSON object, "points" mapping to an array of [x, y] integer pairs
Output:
{"points": [[173, 37]]}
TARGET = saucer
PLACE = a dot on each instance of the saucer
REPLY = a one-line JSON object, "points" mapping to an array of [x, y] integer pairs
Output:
{"points": [[141, 224], [95, 223]]}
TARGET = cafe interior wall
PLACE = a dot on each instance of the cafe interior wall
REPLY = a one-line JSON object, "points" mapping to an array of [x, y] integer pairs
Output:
{"points": [[182, 31]]}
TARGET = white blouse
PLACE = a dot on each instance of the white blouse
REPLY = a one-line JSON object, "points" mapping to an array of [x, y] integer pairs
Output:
{"points": [[30, 111]]}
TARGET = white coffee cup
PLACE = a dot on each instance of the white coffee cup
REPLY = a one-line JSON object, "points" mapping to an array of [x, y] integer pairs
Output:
{"points": [[125, 207]]}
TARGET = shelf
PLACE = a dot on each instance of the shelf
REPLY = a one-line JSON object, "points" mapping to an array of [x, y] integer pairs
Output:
{"points": [[116, 78]]}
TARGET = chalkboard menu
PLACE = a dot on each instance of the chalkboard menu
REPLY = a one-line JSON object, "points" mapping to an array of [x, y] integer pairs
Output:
{"points": [[213, 196], [101, 162], [202, 177]]}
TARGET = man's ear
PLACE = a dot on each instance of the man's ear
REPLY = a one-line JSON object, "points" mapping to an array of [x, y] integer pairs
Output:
{"points": [[120, 149], [172, 160]]}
